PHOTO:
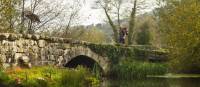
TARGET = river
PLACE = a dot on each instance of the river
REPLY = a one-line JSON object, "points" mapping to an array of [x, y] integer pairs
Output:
{"points": [[154, 82]]}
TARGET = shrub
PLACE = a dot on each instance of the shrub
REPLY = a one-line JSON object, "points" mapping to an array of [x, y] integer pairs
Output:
{"points": [[4, 79]]}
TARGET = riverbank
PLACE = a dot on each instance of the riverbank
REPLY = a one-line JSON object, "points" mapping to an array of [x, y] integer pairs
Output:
{"points": [[48, 76], [154, 82], [173, 75]]}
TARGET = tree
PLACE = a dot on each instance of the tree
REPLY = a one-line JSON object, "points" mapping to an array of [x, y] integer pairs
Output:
{"points": [[73, 14], [179, 21], [114, 7], [106, 5], [144, 37], [46, 11], [8, 15], [132, 23], [57, 15], [93, 35], [22, 17]]}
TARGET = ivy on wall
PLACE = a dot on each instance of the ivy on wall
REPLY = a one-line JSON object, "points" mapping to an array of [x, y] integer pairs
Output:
{"points": [[115, 52]]}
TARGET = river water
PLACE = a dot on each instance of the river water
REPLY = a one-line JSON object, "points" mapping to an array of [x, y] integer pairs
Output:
{"points": [[154, 82]]}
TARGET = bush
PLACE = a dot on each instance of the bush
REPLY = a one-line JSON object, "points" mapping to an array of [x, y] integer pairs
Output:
{"points": [[4, 79], [180, 26]]}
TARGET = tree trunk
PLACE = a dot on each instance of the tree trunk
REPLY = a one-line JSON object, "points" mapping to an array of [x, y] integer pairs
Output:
{"points": [[30, 24], [22, 17], [118, 17], [132, 24], [115, 30]]}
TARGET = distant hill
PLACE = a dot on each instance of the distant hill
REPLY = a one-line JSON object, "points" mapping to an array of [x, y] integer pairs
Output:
{"points": [[105, 27]]}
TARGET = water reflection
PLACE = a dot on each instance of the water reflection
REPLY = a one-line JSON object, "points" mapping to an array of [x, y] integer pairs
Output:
{"points": [[154, 82]]}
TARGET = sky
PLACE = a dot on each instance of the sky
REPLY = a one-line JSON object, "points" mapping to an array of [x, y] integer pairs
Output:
{"points": [[95, 16], [90, 16]]}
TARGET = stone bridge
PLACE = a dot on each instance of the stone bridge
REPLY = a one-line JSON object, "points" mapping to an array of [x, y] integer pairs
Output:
{"points": [[27, 50]]}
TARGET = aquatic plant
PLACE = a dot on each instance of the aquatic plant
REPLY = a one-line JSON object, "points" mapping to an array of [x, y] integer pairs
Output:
{"points": [[137, 69]]}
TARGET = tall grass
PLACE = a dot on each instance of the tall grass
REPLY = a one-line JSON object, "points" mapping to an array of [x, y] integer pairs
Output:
{"points": [[49, 76], [137, 69], [5, 81], [76, 78]]}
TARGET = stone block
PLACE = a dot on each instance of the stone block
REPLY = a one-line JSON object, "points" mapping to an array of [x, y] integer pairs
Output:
{"points": [[4, 36], [66, 51], [41, 43], [13, 37], [17, 56], [42, 36], [35, 49], [42, 54], [52, 58], [5, 43], [31, 43], [67, 40], [19, 43], [60, 60], [35, 37], [58, 52], [27, 36], [3, 58], [20, 50], [66, 46]]}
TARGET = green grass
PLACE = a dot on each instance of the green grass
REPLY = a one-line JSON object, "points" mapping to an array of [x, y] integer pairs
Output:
{"points": [[49, 76], [4, 79], [137, 69]]}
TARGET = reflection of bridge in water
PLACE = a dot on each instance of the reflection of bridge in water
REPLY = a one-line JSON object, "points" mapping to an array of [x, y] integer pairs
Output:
{"points": [[38, 50]]}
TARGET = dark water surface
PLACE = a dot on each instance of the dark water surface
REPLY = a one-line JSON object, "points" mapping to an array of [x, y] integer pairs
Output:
{"points": [[154, 82]]}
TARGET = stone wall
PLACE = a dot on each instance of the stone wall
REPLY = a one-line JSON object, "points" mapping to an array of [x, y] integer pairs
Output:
{"points": [[27, 50], [35, 50]]}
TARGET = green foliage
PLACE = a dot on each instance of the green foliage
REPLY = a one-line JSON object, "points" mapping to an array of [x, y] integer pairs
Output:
{"points": [[132, 22], [144, 36], [93, 34], [35, 83], [4, 79], [94, 82], [75, 78], [49, 76], [96, 71], [115, 53], [136, 69], [8, 15], [180, 24], [148, 24]]}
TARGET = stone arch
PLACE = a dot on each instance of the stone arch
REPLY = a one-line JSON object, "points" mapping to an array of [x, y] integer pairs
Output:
{"points": [[85, 61], [74, 52]]}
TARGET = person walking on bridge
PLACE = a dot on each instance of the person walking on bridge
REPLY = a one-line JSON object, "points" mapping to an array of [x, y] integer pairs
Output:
{"points": [[123, 32]]}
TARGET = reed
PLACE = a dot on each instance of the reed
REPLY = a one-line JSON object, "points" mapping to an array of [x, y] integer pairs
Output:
{"points": [[137, 69]]}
